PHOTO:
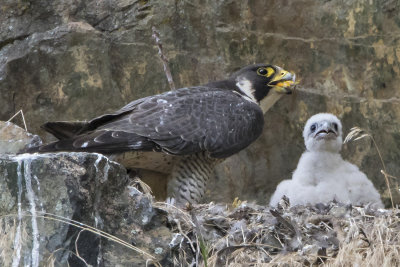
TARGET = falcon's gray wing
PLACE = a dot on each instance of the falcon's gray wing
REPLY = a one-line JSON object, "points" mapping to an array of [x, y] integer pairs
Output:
{"points": [[184, 121]]}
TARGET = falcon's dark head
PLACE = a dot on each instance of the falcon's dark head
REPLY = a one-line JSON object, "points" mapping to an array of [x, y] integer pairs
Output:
{"points": [[264, 84]]}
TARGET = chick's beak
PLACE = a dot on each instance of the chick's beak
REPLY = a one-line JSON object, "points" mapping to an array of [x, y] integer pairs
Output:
{"points": [[326, 131], [283, 82]]}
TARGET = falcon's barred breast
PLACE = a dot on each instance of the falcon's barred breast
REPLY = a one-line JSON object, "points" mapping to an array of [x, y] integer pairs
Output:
{"points": [[199, 123]]}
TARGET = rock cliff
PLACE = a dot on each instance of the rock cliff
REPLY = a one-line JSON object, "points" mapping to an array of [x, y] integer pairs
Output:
{"points": [[74, 59]]}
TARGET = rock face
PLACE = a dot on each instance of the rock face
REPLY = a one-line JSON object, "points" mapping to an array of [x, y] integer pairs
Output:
{"points": [[46, 200], [73, 60], [14, 139], [54, 208]]}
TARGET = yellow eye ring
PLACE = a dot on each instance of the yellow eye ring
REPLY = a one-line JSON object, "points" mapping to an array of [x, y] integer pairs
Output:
{"points": [[268, 71]]}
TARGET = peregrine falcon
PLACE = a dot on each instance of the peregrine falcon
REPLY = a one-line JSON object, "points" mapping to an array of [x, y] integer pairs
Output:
{"points": [[198, 124], [321, 174]]}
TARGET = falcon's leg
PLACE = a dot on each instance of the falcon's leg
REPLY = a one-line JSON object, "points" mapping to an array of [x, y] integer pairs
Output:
{"points": [[188, 180]]}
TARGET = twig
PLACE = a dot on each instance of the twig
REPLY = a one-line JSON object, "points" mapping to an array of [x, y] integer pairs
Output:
{"points": [[232, 249], [164, 59], [384, 168], [357, 133], [23, 118], [168, 208], [243, 236], [185, 236], [51, 259], [388, 175], [202, 243], [282, 220], [76, 248]]}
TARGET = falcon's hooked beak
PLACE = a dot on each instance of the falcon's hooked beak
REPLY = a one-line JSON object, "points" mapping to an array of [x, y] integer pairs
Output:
{"points": [[283, 82]]}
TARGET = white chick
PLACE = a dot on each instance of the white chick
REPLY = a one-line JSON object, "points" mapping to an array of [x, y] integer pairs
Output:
{"points": [[321, 174]]}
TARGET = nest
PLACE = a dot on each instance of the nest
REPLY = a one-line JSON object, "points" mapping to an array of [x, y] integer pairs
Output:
{"points": [[332, 234]]}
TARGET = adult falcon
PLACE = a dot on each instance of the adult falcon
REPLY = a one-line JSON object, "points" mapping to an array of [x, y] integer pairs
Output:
{"points": [[199, 125]]}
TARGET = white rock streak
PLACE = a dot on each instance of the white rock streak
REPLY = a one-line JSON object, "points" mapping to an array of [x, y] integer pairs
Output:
{"points": [[24, 173], [17, 238]]}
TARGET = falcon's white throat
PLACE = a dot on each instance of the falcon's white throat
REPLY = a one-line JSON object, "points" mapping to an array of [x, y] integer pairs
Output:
{"points": [[246, 87]]}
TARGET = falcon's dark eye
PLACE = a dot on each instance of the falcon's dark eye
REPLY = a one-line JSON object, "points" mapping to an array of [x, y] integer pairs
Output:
{"points": [[335, 126], [262, 71], [265, 71], [313, 127]]}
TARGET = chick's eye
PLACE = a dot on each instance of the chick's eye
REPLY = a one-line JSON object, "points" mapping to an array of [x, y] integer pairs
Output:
{"points": [[313, 127], [335, 126], [262, 71]]}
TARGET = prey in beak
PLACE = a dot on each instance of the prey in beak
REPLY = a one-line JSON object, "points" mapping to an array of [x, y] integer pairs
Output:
{"points": [[283, 82]]}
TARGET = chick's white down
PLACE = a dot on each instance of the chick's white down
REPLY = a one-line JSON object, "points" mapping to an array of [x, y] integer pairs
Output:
{"points": [[321, 174]]}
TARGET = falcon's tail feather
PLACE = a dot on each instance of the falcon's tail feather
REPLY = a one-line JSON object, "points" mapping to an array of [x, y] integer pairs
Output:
{"points": [[64, 129], [107, 142]]}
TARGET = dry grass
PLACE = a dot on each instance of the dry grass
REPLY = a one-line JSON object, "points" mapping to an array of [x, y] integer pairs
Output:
{"points": [[251, 235], [357, 133], [338, 235], [373, 243], [380, 247]]}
